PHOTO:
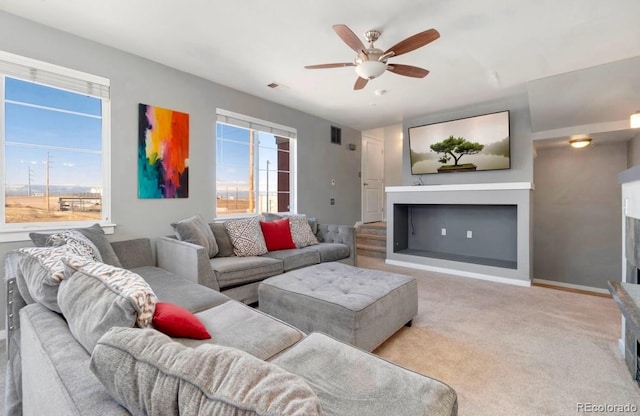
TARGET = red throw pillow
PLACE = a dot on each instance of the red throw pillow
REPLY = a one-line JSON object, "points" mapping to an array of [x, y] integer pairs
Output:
{"points": [[277, 234], [178, 322]]}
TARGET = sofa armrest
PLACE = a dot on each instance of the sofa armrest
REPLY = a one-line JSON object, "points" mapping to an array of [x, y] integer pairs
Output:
{"points": [[335, 233], [134, 253], [187, 260]]}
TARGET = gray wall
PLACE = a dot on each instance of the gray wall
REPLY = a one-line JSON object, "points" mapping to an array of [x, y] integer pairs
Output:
{"points": [[633, 151], [521, 148], [493, 227], [577, 207], [135, 80]]}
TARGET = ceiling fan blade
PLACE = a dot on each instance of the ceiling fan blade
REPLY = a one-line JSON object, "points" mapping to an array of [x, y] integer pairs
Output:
{"points": [[408, 70], [324, 66], [360, 83], [350, 38], [414, 42]]}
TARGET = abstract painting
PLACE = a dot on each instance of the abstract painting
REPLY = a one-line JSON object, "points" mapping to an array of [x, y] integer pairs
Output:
{"points": [[163, 153]]}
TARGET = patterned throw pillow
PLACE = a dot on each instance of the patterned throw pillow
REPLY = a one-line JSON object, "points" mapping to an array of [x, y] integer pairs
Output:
{"points": [[76, 242], [246, 236], [301, 231]]}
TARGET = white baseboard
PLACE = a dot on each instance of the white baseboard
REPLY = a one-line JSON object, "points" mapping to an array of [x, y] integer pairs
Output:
{"points": [[3, 334], [479, 276], [571, 286]]}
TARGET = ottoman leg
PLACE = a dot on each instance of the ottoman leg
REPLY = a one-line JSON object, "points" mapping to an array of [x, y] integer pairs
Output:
{"points": [[408, 324]]}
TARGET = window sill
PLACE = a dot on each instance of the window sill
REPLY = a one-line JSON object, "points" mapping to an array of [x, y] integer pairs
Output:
{"points": [[21, 233]]}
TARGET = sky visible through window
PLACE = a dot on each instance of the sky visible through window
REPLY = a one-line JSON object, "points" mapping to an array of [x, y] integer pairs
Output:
{"points": [[43, 122], [232, 161]]}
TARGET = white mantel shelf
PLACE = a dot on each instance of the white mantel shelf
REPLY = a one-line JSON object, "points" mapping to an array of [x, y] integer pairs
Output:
{"points": [[503, 186]]}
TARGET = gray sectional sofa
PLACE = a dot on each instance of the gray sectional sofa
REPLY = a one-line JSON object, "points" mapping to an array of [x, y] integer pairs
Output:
{"points": [[253, 365], [239, 277]]}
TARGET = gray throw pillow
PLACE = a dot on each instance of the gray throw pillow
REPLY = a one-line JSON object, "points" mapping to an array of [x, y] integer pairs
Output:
{"points": [[94, 233], [42, 270], [94, 297], [195, 230], [225, 246], [149, 374]]}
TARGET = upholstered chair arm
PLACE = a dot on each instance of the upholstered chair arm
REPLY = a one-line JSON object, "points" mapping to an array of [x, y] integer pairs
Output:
{"points": [[335, 233], [186, 260]]}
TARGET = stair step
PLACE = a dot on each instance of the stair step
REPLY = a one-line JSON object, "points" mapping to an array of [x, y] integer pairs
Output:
{"points": [[371, 236], [372, 247], [371, 230], [372, 253], [371, 242]]}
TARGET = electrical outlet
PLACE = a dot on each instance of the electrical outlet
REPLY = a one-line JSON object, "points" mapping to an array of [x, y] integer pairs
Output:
{"points": [[332, 201], [469, 234], [444, 231]]}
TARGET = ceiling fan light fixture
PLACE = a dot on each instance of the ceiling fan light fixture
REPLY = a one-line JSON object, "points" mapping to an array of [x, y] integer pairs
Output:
{"points": [[370, 69], [580, 143]]}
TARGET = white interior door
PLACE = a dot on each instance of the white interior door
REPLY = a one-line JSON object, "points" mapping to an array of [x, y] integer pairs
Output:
{"points": [[372, 179]]}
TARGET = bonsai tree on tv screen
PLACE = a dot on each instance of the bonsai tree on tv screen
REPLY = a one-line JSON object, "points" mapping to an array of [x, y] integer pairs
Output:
{"points": [[454, 148]]}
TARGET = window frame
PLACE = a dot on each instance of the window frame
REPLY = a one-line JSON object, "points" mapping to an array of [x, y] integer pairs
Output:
{"points": [[246, 122], [10, 232]]}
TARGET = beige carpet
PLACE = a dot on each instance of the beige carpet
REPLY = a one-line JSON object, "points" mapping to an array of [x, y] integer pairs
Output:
{"points": [[510, 350]]}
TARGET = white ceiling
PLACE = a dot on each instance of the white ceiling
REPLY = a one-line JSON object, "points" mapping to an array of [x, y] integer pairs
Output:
{"points": [[487, 49]]}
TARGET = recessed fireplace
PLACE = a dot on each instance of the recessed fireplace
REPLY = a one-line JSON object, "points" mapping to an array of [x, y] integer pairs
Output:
{"points": [[479, 234]]}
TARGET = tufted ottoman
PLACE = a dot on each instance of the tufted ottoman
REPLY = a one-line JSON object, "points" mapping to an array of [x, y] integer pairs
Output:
{"points": [[359, 306]]}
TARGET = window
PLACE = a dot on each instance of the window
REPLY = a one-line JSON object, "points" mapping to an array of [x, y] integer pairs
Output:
{"points": [[255, 163], [55, 140]]}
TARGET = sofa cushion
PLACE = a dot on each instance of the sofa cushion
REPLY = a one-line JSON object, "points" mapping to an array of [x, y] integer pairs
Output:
{"points": [[171, 288], [277, 234], [55, 369], [296, 258], [234, 271], [148, 373], [375, 387], [332, 251], [246, 236], [42, 270], [301, 231], [94, 297], [93, 233], [176, 321], [234, 324], [225, 246], [195, 230]]}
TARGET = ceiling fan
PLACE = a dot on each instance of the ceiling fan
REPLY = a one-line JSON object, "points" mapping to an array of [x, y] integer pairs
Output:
{"points": [[371, 62]]}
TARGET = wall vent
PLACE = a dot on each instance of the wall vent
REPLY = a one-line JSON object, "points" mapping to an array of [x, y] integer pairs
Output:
{"points": [[336, 135]]}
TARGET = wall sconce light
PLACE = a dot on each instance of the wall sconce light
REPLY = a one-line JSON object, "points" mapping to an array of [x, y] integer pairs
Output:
{"points": [[580, 143], [634, 120]]}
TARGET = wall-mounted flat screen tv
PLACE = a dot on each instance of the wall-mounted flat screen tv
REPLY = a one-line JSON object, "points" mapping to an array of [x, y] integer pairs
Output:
{"points": [[463, 145]]}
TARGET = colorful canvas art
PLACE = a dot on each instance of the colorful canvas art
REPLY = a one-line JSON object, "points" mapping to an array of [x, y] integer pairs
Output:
{"points": [[163, 153]]}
